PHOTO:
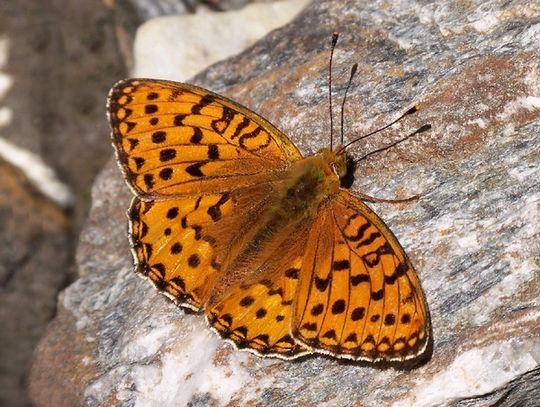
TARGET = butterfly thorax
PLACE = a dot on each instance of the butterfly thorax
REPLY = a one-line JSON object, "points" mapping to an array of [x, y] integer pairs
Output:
{"points": [[310, 182]]}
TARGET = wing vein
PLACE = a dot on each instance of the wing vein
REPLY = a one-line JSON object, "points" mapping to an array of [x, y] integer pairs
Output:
{"points": [[330, 285], [311, 277]]}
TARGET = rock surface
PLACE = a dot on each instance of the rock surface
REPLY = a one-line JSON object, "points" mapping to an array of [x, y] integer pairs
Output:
{"points": [[178, 48], [473, 235], [34, 246], [53, 78]]}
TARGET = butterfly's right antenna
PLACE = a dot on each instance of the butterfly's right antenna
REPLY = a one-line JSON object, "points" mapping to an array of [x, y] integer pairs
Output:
{"points": [[353, 71], [422, 129], [412, 110], [334, 42]]}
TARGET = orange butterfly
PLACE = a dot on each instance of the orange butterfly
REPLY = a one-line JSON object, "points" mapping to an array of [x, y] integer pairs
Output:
{"points": [[230, 219]]}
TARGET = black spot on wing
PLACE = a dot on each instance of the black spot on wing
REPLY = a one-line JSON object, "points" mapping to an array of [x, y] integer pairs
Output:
{"points": [[159, 137], [322, 283], [241, 126], [167, 154], [150, 109], [195, 169], [373, 258], [358, 314], [215, 210], [197, 136], [340, 265], [400, 271], [213, 152], [205, 101], [338, 307]]}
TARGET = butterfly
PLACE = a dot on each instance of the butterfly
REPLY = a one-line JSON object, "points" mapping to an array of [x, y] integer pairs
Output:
{"points": [[231, 220]]}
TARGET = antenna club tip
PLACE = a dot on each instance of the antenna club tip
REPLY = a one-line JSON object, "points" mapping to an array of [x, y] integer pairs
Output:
{"points": [[354, 69], [335, 36], [422, 129], [412, 110]]}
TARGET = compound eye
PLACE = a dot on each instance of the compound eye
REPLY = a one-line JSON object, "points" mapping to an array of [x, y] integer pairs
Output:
{"points": [[339, 169], [336, 169]]}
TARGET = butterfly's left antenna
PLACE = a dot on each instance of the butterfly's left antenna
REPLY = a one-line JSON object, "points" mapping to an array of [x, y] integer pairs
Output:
{"points": [[334, 42]]}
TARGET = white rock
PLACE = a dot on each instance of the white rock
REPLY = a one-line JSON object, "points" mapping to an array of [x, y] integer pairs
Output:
{"points": [[178, 47]]}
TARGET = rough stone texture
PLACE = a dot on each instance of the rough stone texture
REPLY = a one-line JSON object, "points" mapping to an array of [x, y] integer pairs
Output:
{"points": [[473, 235], [58, 59], [176, 48], [128, 14], [148, 9], [61, 69], [34, 245]]}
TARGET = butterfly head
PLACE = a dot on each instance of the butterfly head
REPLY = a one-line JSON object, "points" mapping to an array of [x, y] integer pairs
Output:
{"points": [[341, 163]]}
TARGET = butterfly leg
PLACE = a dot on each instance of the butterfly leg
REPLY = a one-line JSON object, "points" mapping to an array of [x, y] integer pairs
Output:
{"points": [[369, 198]]}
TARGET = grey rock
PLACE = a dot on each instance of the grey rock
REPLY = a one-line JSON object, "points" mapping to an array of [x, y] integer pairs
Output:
{"points": [[185, 49], [34, 252], [60, 60], [148, 9]]}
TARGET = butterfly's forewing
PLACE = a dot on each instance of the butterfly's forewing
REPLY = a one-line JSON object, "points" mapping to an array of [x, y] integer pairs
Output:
{"points": [[176, 139], [359, 296]]}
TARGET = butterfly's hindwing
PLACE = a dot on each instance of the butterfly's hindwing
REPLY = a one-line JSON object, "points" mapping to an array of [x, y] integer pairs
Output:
{"points": [[257, 314], [183, 245], [362, 300]]}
